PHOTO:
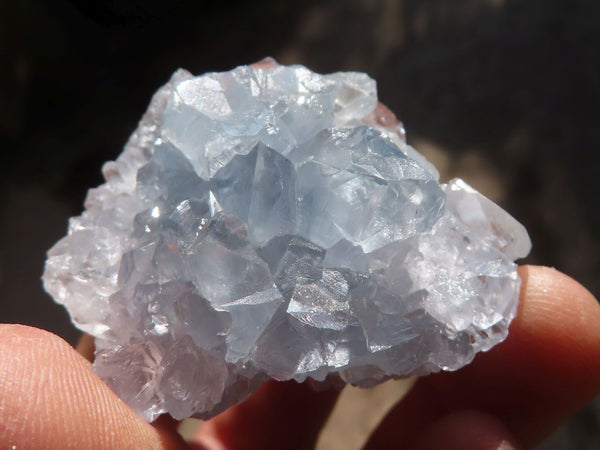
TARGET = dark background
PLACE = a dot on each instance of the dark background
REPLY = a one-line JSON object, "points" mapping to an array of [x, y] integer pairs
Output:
{"points": [[505, 94]]}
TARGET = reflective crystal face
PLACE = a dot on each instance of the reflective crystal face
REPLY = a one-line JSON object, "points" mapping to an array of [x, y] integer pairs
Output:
{"points": [[271, 222]]}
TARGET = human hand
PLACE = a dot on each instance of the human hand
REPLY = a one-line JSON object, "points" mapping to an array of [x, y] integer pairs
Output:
{"points": [[514, 395]]}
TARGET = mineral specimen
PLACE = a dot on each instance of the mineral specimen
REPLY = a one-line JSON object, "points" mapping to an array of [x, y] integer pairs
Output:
{"points": [[271, 222]]}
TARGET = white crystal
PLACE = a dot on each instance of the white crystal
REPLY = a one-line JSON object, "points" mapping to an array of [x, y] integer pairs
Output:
{"points": [[271, 222]]}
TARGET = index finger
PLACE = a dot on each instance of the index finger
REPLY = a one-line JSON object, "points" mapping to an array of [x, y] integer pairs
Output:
{"points": [[548, 367]]}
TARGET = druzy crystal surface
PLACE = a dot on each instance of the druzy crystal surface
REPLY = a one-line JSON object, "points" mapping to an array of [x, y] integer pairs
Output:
{"points": [[271, 222]]}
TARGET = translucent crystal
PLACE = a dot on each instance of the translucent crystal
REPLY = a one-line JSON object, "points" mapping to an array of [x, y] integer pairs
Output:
{"points": [[271, 222]]}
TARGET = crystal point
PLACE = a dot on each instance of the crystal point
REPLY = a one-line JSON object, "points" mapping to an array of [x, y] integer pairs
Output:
{"points": [[272, 222]]}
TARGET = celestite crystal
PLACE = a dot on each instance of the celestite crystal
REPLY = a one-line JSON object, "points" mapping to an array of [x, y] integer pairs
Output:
{"points": [[271, 222]]}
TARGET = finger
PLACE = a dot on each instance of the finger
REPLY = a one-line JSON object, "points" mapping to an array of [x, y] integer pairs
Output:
{"points": [[467, 430], [548, 367], [279, 415], [85, 347], [50, 399]]}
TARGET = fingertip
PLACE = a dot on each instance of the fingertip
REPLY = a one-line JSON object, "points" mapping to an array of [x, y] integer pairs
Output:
{"points": [[17, 333], [559, 324], [549, 296], [86, 346], [52, 400], [548, 367]]}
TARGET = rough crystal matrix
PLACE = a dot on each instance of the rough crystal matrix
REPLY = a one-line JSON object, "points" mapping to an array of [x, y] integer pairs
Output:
{"points": [[271, 222]]}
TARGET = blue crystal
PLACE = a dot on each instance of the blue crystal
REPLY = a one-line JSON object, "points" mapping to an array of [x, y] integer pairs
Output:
{"points": [[263, 223]]}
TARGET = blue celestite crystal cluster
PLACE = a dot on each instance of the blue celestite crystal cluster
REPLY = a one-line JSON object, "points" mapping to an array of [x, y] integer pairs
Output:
{"points": [[271, 222]]}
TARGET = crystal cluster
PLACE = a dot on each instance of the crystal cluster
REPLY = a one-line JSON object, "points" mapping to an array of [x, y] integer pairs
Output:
{"points": [[271, 222]]}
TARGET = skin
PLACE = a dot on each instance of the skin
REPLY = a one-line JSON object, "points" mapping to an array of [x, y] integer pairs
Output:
{"points": [[509, 398]]}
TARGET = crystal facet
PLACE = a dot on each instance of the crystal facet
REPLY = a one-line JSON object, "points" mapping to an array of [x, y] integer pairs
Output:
{"points": [[271, 222]]}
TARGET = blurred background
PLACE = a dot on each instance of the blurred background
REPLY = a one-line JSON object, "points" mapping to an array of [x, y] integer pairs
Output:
{"points": [[504, 94]]}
